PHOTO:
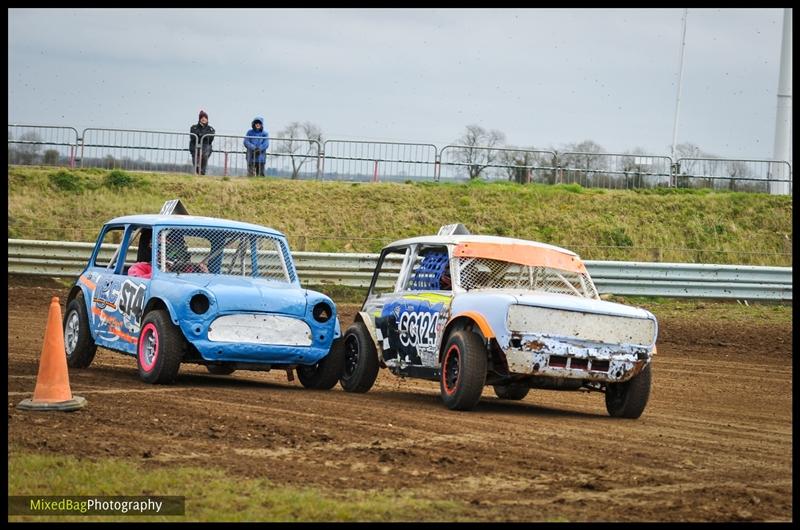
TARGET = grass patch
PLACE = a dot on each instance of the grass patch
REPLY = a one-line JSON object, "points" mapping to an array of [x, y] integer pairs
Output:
{"points": [[211, 495], [66, 181], [661, 224], [118, 179]]}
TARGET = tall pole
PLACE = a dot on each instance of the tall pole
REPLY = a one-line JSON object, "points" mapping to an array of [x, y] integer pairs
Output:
{"points": [[680, 81], [783, 119]]}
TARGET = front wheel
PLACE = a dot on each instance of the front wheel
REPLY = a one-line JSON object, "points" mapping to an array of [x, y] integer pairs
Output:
{"points": [[78, 343], [463, 370], [325, 374], [628, 399], [360, 360], [160, 348], [511, 391]]}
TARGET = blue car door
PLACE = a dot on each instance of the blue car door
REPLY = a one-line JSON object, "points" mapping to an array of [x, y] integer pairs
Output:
{"points": [[118, 298]]}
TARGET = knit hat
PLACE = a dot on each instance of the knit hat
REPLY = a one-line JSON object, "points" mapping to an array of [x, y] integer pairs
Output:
{"points": [[202, 114]]}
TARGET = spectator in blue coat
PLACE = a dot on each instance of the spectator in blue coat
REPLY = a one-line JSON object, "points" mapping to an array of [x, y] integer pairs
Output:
{"points": [[256, 143]]}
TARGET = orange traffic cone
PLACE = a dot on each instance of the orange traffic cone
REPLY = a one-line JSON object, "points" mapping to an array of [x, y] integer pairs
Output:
{"points": [[52, 390]]}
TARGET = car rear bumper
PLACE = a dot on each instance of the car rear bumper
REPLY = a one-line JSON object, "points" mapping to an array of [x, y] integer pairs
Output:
{"points": [[543, 356]]}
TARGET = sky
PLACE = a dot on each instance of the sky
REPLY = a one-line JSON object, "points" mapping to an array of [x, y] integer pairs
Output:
{"points": [[546, 78]]}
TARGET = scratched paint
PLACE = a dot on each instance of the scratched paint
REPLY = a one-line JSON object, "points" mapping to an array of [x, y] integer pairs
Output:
{"points": [[609, 329]]}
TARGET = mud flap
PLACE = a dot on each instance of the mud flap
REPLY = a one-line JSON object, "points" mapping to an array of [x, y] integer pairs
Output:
{"points": [[289, 374]]}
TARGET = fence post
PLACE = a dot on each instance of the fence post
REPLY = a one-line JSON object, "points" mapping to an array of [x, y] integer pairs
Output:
{"points": [[674, 168], [375, 173], [225, 165]]}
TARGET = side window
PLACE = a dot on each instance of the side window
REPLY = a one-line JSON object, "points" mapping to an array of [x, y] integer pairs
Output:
{"points": [[109, 252], [431, 270], [183, 250], [138, 247], [385, 277], [139, 253]]}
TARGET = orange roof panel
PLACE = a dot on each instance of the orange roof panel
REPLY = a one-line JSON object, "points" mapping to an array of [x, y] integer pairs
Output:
{"points": [[522, 254]]}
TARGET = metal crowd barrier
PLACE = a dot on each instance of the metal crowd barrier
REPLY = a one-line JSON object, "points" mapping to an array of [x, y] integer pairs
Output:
{"points": [[367, 161]]}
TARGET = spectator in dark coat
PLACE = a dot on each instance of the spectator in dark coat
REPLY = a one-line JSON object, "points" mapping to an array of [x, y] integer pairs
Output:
{"points": [[256, 143], [205, 134]]}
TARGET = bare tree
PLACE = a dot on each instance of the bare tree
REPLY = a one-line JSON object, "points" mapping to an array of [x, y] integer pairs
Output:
{"points": [[585, 159], [28, 147], [687, 150], [635, 166], [519, 163], [686, 168], [583, 155], [301, 142], [736, 169], [50, 157], [477, 149]]}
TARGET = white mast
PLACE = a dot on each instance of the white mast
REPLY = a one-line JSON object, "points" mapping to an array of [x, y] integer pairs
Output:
{"points": [[783, 119], [680, 80]]}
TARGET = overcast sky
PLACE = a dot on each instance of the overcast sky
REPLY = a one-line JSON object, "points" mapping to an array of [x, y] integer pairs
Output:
{"points": [[544, 77]]}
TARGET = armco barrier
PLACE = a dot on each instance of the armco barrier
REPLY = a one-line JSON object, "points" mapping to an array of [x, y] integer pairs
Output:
{"points": [[678, 280]]}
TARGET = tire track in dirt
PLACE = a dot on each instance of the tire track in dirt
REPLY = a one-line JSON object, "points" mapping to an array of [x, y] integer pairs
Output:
{"points": [[715, 443]]}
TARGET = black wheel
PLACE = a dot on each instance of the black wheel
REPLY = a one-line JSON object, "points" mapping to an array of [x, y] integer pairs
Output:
{"points": [[325, 374], [360, 360], [220, 369], [463, 370], [628, 399], [160, 348], [511, 391], [78, 343]]}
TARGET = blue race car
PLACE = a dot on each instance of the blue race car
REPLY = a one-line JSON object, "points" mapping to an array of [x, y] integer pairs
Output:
{"points": [[172, 289]]}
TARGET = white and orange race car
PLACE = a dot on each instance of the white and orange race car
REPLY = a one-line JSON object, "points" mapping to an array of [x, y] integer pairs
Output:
{"points": [[470, 311]]}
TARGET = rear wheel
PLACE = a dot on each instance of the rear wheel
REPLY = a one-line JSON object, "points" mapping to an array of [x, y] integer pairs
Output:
{"points": [[160, 348], [463, 370], [78, 343], [360, 360], [325, 374], [220, 369], [628, 399], [513, 391]]}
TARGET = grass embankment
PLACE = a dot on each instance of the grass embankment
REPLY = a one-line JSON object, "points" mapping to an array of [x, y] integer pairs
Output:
{"points": [[211, 495], [634, 225]]}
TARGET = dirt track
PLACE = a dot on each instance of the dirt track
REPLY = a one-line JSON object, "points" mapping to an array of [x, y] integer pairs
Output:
{"points": [[714, 443]]}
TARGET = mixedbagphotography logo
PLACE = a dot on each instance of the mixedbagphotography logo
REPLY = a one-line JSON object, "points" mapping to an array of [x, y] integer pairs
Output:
{"points": [[95, 505]]}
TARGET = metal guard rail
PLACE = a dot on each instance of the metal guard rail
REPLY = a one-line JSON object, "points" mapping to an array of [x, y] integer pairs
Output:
{"points": [[674, 280]]}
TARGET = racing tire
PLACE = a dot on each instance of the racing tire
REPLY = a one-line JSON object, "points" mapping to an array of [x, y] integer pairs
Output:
{"points": [[628, 399], [220, 369], [325, 374], [361, 366], [160, 348], [79, 345], [513, 391], [463, 372]]}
